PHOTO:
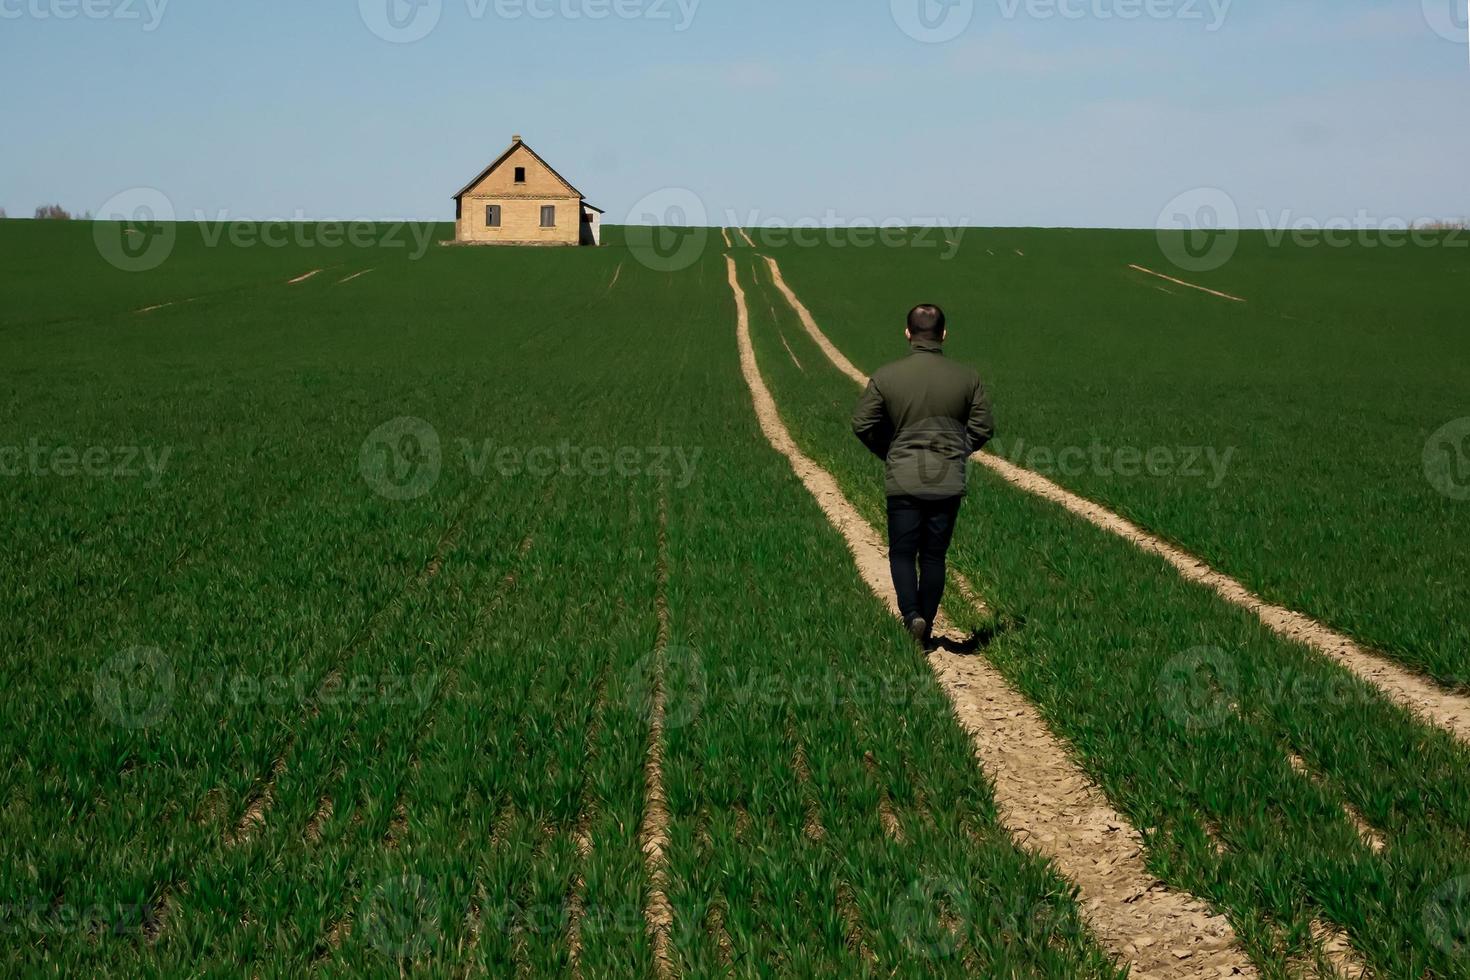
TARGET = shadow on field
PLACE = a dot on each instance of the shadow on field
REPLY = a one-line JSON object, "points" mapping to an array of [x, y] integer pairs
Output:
{"points": [[980, 639]]}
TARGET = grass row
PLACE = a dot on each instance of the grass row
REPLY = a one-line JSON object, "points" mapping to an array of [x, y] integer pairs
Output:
{"points": [[798, 712], [466, 795], [1288, 433], [1186, 710]]}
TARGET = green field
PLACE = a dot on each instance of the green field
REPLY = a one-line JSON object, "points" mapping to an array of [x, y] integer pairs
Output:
{"points": [[1293, 426], [339, 614]]}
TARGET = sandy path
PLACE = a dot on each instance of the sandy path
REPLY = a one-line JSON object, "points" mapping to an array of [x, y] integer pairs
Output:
{"points": [[746, 235], [838, 359], [1421, 697], [725, 233], [303, 278], [1181, 282], [1044, 798], [355, 275], [150, 309], [1449, 711], [617, 274], [653, 835]]}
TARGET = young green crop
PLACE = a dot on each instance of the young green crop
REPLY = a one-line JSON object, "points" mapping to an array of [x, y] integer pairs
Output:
{"points": [[1187, 711], [1283, 439], [390, 738]]}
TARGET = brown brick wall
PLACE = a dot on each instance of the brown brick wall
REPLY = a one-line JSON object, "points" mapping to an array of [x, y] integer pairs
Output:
{"points": [[520, 205]]}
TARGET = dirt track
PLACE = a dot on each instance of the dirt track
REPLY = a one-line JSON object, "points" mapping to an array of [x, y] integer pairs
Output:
{"points": [[1045, 799], [1181, 282], [653, 835], [1448, 711]]}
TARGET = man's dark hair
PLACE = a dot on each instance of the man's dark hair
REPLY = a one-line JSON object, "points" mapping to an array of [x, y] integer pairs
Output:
{"points": [[926, 322]]}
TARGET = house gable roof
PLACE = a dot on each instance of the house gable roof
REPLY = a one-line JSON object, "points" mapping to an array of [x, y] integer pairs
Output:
{"points": [[517, 145]]}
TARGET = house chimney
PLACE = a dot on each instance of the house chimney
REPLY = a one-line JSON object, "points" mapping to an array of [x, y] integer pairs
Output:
{"points": [[516, 138]]}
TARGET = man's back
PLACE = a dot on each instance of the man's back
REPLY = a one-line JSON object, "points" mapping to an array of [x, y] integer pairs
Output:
{"points": [[924, 415]]}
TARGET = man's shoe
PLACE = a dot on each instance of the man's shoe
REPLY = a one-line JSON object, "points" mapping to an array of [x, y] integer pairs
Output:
{"points": [[919, 630]]}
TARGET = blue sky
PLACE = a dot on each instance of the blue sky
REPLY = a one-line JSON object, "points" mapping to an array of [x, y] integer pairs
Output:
{"points": [[1037, 112]]}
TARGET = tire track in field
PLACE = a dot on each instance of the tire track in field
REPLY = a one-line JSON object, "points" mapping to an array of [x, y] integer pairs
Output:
{"points": [[398, 827], [1181, 282], [725, 233], [746, 235], [582, 840], [771, 305], [1332, 954], [1044, 798], [303, 277], [1416, 694], [816, 834], [1369, 835], [581, 834], [355, 275], [258, 806], [653, 835]]}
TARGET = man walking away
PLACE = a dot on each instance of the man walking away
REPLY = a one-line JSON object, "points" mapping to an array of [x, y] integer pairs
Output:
{"points": [[924, 416]]}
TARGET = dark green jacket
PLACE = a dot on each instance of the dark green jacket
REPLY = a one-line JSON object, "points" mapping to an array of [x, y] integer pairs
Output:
{"points": [[924, 416]]}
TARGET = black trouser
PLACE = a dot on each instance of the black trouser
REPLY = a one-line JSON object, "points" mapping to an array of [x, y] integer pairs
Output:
{"points": [[919, 532]]}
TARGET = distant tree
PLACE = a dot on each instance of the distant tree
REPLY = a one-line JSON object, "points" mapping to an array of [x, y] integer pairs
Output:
{"points": [[3, 215], [52, 212]]}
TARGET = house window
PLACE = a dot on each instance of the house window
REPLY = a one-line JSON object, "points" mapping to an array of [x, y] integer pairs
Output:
{"points": [[520, 175], [548, 216], [492, 216]]}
